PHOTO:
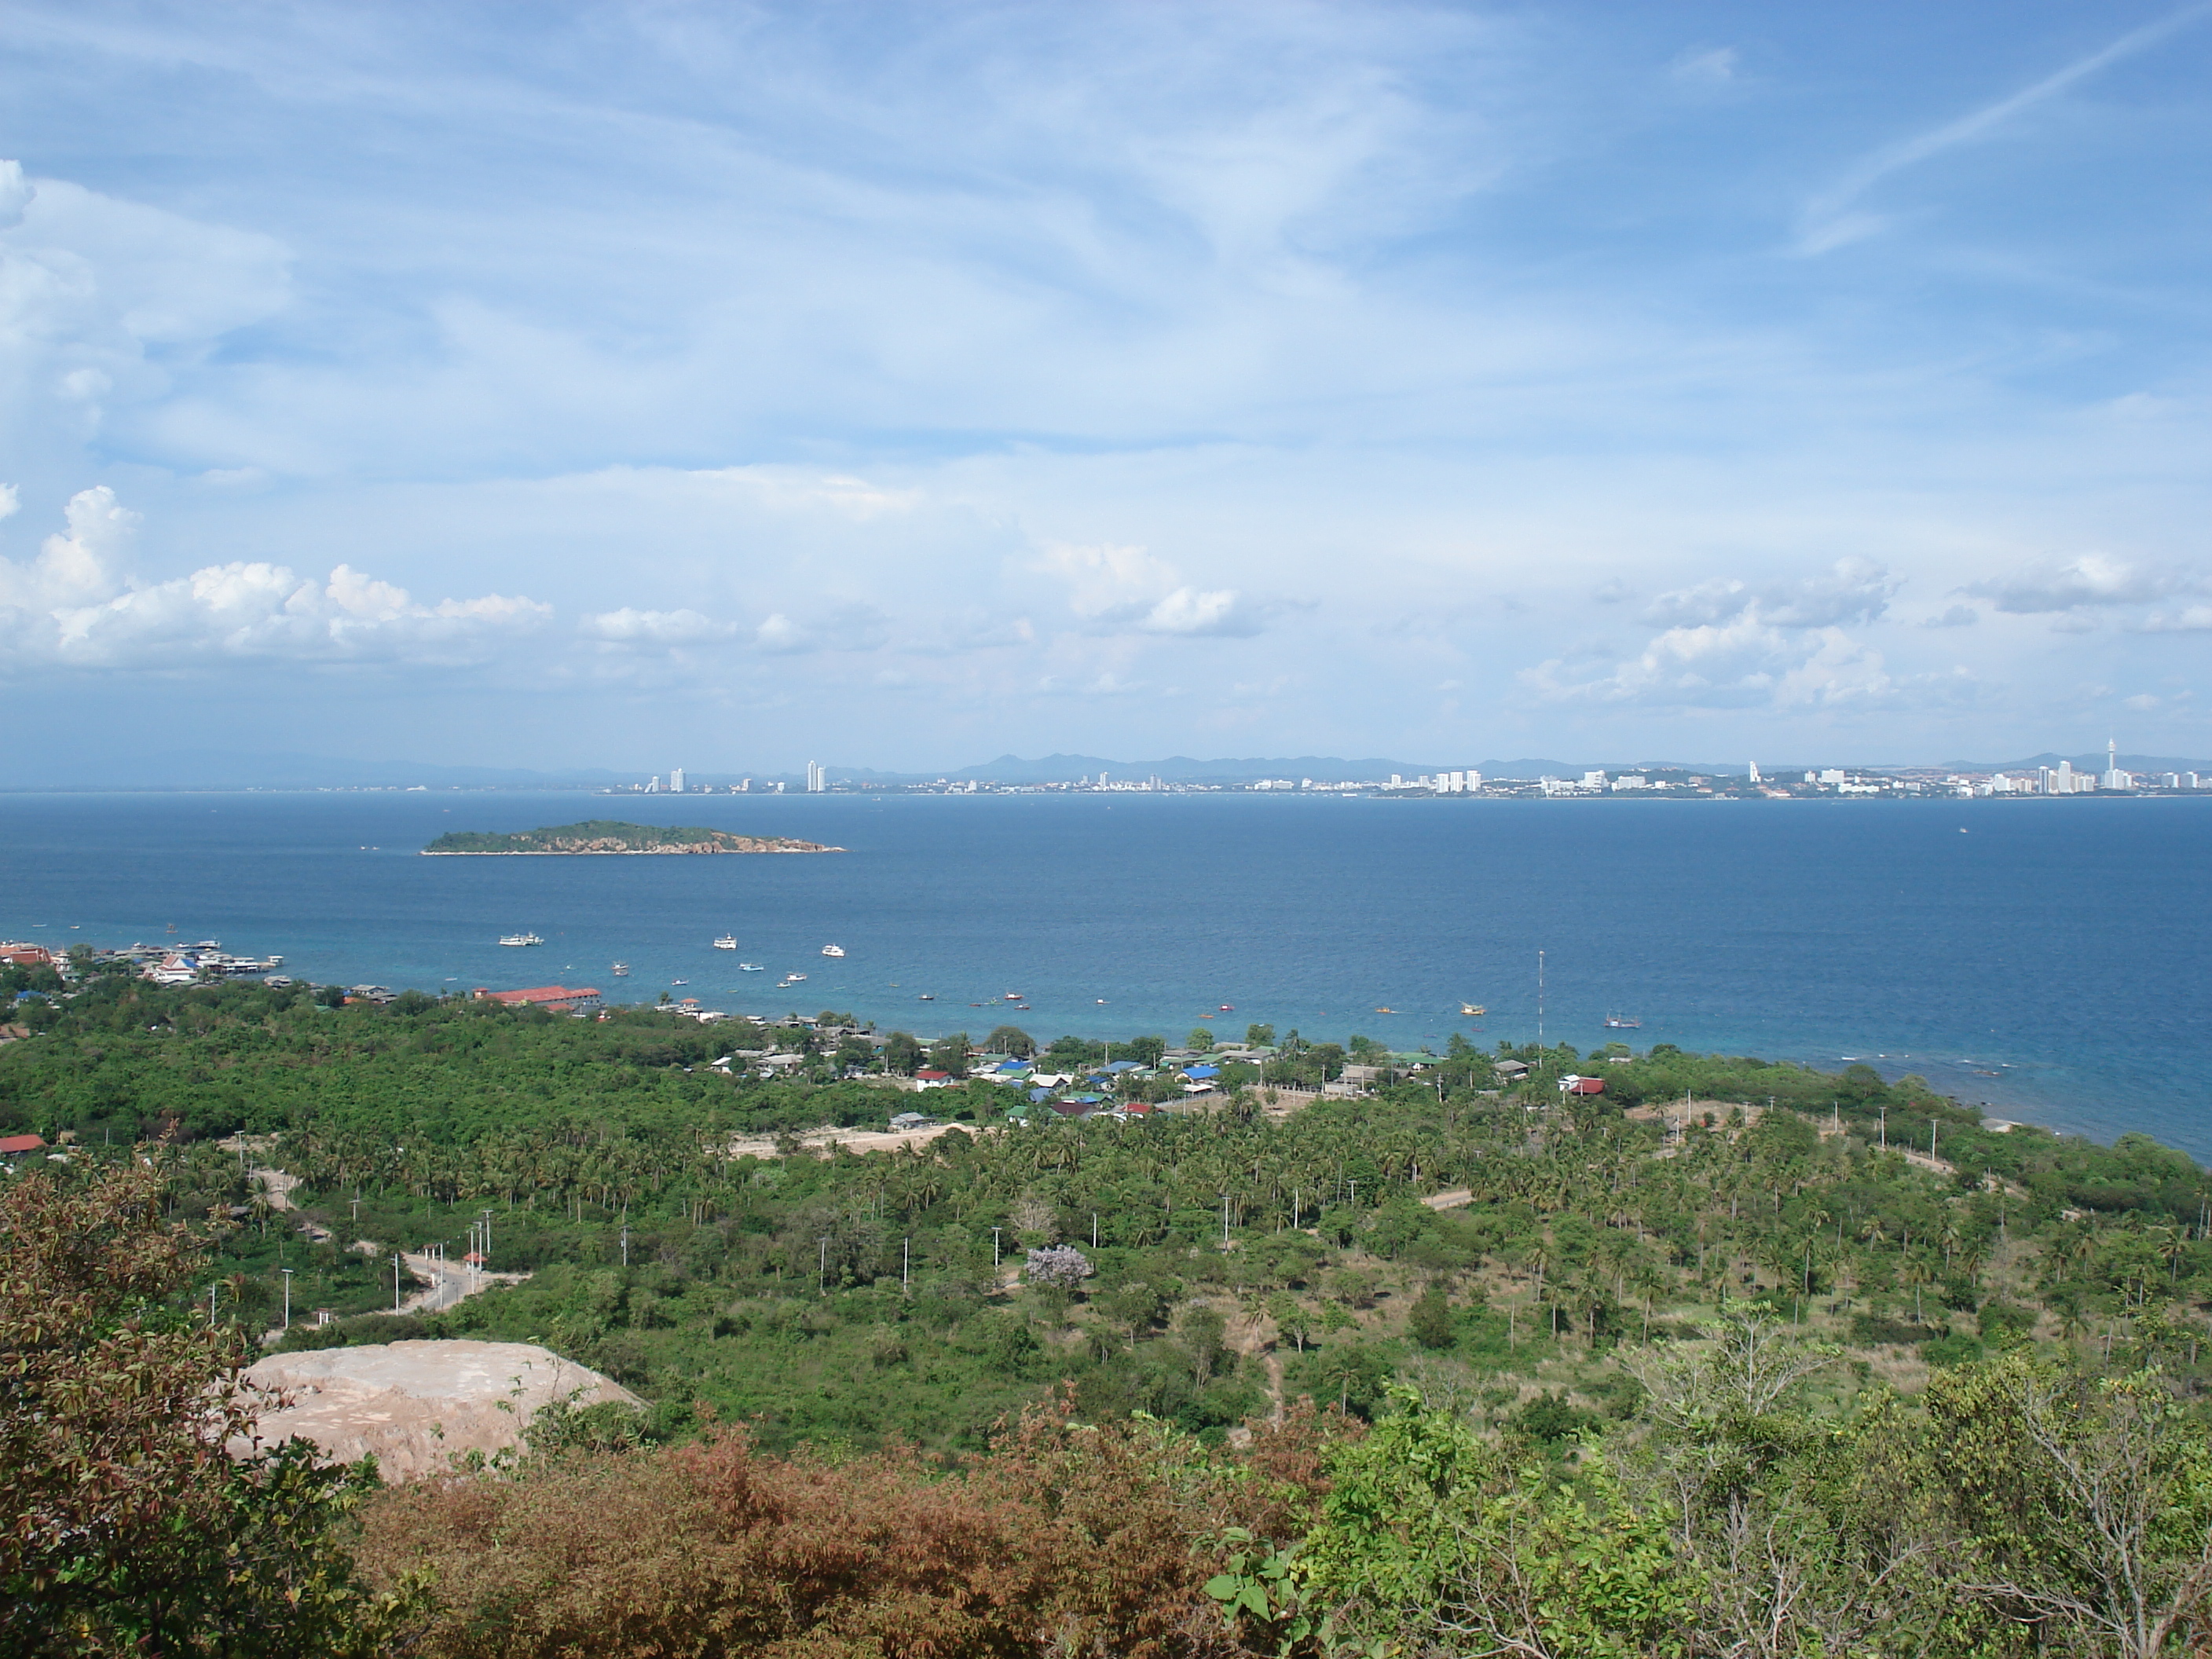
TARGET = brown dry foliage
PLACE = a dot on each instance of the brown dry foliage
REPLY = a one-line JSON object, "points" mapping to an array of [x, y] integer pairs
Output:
{"points": [[1064, 1540], [108, 1428]]}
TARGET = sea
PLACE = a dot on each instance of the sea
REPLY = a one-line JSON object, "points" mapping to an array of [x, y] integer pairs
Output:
{"points": [[2050, 960]]}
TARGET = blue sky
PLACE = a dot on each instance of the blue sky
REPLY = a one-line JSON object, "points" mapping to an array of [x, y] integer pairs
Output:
{"points": [[905, 385]]}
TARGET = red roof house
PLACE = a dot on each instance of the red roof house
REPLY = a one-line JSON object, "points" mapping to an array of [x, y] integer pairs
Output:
{"points": [[11, 1144], [560, 999]]}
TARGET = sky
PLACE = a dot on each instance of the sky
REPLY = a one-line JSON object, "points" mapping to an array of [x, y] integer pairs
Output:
{"points": [[899, 385]]}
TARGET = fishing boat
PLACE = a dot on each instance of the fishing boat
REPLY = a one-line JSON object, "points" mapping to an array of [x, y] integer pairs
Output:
{"points": [[1228, 1008], [751, 967], [1016, 996], [727, 942], [1623, 1023], [793, 979], [833, 950], [679, 981], [1386, 1010], [521, 938], [1472, 1010], [925, 997], [620, 970]]}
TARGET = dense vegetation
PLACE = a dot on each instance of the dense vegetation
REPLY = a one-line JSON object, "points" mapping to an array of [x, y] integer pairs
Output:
{"points": [[1709, 1363], [612, 836]]}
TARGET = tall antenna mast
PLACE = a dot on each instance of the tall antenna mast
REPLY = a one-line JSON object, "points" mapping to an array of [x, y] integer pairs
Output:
{"points": [[1540, 996]]}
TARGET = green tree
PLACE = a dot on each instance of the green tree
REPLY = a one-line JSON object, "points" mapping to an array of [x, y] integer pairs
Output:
{"points": [[1199, 1041], [1010, 1040], [1431, 1320], [903, 1052], [2078, 1502], [127, 1528], [1259, 1036], [1430, 1542], [950, 1053]]}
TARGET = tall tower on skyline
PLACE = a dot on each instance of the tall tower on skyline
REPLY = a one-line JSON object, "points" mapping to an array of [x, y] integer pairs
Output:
{"points": [[817, 777], [676, 781]]}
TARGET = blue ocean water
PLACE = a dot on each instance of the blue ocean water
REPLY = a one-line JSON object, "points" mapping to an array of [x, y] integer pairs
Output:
{"points": [[2050, 958]]}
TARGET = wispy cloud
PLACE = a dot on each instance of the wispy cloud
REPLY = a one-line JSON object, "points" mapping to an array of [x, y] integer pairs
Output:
{"points": [[1833, 218]]}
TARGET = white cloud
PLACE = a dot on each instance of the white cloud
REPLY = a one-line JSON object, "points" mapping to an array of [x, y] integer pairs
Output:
{"points": [[1716, 67], [15, 193], [655, 628], [2195, 619], [1742, 663], [780, 634], [2093, 580], [1187, 610], [75, 606], [1125, 589], [1829, 219], [1959, 616], [1853, 591]]}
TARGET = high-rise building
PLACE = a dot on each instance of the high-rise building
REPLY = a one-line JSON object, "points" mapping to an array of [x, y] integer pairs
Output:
{"points": [[653, 784], [2114, 778], [1755, 778], [817, 777], [675, 782]]}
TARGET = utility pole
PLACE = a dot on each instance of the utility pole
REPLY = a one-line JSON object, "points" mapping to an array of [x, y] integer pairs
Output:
{"points": [[994, 1245], [822, 1270], [906, 1264], [287, 1272], [1094, 1230], [1224, 1221], [1540, 999], [1884, 1124], [625, 1236]]}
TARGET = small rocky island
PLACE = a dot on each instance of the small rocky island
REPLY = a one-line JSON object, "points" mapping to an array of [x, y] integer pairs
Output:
{"points": [[605, 836]]}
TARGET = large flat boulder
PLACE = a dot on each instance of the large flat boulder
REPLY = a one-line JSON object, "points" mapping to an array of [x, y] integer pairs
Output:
{"points": [[412, 1405]]}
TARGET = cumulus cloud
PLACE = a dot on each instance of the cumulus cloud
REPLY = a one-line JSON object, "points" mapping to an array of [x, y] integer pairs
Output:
{"points": [[1959, 616], [15, 193], [75, 606], [1125, 589], [1744, 663], [627, 627], [2094, 580], [1853, 591], [1187, 610], [2194, 619]]}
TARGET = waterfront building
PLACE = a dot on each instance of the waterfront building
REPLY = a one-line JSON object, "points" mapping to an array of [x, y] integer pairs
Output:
{"points": [[817, 777], [675, 782], [559, 999], [1754, 777], [653, 784]]}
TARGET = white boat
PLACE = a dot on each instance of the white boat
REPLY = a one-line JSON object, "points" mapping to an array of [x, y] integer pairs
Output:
{"points": [[727, 942], [621, 970], [751, 967], [833, 950], [521, 938]]}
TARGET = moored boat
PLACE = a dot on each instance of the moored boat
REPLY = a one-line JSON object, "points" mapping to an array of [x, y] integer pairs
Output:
{"points": [[727, 942], [521, 938]]}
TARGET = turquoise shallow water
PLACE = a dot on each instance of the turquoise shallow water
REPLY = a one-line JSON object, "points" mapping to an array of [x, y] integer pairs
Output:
{"points": [[2049, 957]]}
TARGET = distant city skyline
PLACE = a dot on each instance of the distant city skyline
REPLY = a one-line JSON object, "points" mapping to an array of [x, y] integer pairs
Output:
{"points": [[1443, 379]]}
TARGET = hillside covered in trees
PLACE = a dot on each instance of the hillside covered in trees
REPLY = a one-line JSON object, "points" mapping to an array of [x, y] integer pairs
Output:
{"points": [[1708, 1362]]}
